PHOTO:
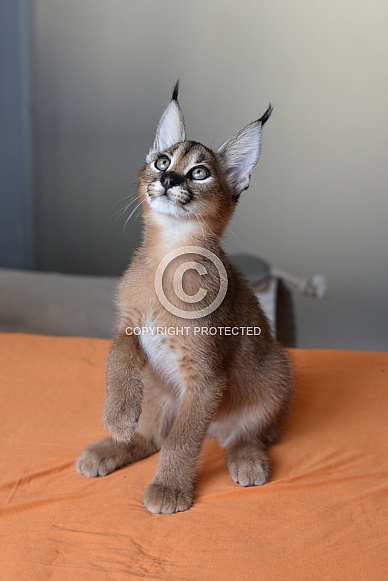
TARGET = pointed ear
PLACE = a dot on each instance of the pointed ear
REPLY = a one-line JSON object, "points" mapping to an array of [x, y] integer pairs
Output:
{"points": [[171, 128], [240, 154]]}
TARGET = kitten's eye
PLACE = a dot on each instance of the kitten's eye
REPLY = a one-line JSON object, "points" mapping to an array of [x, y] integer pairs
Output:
{"points": [[199, 173], [162, 163]]}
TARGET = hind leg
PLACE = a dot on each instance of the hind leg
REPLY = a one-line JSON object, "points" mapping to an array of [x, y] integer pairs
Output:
{"points": [[245, 449], [258, 424], [248, 463], [105, 456]]}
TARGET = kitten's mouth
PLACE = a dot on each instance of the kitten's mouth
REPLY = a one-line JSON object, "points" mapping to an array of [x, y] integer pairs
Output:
{"points": [[169, 202], [182, 200]]}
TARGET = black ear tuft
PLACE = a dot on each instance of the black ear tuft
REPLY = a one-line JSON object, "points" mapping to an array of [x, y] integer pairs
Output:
{"points": [[175, 91], [266, 115]]}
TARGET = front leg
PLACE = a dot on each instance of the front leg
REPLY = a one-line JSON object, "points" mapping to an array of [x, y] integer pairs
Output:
{"points": [[124, 390], [172, 489]]}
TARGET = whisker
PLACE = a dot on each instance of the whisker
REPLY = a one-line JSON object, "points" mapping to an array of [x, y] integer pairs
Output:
{"points": [[207, 227], [202, 224], [131, 188], [138, 214], [121, 211], [215, 137], [229, 229], [133, 194], [131, 214]]}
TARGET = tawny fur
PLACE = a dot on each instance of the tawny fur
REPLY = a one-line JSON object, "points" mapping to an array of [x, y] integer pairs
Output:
{"points": [[169, 392]]}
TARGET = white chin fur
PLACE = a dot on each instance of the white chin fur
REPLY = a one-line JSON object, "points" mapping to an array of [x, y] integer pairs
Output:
{"points": [[164, 205]]}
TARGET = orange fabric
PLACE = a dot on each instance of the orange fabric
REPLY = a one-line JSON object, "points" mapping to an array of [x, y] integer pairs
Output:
{"points": [[323, 516]]}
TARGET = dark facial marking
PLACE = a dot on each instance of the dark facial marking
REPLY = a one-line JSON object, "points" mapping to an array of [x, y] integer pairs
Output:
{"points": [[200, 158], [187, 146], [173, 149]]}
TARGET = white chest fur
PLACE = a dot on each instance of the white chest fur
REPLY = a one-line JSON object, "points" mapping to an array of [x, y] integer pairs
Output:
{"points": [[162, 358]]}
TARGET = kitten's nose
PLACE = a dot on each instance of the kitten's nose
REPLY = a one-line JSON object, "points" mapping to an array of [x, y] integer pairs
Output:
{"points": [[170, 179]]}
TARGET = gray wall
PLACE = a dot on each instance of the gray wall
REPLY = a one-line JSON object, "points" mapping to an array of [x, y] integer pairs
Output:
{"points": [[15, 169], [102, 74]]}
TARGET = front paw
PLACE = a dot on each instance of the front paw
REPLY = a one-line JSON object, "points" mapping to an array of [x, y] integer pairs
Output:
{"points": [[121, 422], [162, 499], [101, 458]]}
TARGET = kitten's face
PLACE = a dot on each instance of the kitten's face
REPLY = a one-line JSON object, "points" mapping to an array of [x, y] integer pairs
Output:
{"points": [[185, 181]]}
